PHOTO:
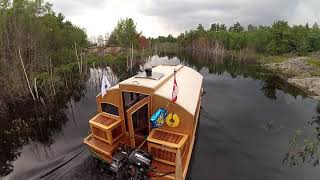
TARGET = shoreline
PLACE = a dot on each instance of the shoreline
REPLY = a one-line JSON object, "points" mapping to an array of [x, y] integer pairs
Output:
{"points": [[301, 72]]}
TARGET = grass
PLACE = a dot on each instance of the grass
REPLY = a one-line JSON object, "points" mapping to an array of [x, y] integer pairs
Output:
{"points": [[314, 62], [272, 59]]}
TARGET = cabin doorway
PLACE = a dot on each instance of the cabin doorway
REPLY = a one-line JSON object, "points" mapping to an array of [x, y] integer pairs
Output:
{"points": [[138, 123]]}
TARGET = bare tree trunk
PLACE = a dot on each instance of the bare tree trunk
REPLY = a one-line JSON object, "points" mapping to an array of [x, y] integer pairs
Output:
{"points": [[81, 62], [131, 56], [25, 73], [76, 52], [51, 75], [35, 88], [65, 80]]}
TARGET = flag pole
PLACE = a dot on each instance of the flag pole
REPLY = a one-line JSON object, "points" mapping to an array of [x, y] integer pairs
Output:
{"points": [[173, 99]]}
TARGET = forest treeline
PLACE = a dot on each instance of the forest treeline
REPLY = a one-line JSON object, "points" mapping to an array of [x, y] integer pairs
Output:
{"points": [[279, 38], [33, 40]]}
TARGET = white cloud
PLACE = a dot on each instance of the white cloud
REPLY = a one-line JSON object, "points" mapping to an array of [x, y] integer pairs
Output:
{"points": [[161, 17]]}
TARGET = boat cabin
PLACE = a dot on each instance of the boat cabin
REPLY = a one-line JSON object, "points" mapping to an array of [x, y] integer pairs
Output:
{"points": [[124, 114]]}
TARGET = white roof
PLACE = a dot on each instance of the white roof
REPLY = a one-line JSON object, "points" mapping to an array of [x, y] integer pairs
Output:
{"points": [[150, 84], [189, 84]]}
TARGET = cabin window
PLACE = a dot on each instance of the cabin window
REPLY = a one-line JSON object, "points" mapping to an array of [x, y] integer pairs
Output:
{"points": [[131, 98], [110, 109]]}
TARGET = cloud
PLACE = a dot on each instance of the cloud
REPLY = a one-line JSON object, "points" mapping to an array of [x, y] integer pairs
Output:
{"points": [[161, 17], [75, 7], [183, 15]]}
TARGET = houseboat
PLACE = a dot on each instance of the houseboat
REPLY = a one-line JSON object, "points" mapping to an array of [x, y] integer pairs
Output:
{"points": [[140, 123]]}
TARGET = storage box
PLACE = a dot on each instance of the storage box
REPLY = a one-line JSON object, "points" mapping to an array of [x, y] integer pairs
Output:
{"points": [[163, 145], [106, 127], [100, 148]]}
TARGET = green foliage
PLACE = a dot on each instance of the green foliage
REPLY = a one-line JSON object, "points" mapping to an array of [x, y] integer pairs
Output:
{"points": [[273, 59], [236, 28], [162, 39], [216, 27], [314, 61], [125, 34], [251, 28], [32, 29], [280, 38]]}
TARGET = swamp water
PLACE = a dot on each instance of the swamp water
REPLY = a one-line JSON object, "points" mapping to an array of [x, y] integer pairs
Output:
{"points": [[252, 126]]}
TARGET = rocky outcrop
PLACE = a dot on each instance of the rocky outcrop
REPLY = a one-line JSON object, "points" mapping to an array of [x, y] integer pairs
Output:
{"points": [[299, 73], [311, 84], [293, 67]]}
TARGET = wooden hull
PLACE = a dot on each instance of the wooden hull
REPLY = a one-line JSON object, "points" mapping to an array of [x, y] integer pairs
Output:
{"points": [[127, 108], [107, 157]]}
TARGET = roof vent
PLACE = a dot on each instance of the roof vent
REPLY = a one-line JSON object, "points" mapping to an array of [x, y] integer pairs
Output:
{"points": [[148, 74]]}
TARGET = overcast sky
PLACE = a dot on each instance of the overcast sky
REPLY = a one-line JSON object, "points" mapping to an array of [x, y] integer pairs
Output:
{"points": [[161, 17]]}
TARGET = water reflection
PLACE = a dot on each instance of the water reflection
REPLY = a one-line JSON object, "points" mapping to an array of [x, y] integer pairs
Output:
{"points": [[302, 149], [34, 123], [265, 109], [247, 69], [305, 149]]}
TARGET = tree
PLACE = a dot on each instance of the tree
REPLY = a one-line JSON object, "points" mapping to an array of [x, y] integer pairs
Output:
{"points": [[236, 28], [143, 42], [314, 38], [125, 34], [251, 28], [315, 26], [200, 28], [280, 39], [31, 29], [214, 27], [200, 31], [298, 40], [223, 27]]}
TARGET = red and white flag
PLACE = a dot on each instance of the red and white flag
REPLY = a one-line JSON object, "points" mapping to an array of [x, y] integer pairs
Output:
{"points": [[175, 89]]}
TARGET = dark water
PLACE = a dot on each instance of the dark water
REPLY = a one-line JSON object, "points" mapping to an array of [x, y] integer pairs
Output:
{"points": [[248, 120]]}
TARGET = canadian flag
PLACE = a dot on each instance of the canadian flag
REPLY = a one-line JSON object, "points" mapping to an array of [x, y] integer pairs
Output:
{"points": [[175, 89]]}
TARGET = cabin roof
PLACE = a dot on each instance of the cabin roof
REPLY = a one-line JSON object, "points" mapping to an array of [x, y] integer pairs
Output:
{"points": [[149, 85], [189, 84]]}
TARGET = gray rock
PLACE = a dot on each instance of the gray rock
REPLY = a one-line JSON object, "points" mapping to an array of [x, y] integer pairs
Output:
{"points": [[311, 84], [295, 66]]}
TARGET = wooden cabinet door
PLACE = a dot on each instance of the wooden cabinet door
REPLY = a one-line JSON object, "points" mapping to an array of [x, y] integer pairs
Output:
{"points": [[139, 121]]}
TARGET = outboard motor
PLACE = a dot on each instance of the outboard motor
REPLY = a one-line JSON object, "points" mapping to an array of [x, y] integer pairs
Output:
{"points": [[128, 164], [119, 161], [140, 164], [140, 158]]}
